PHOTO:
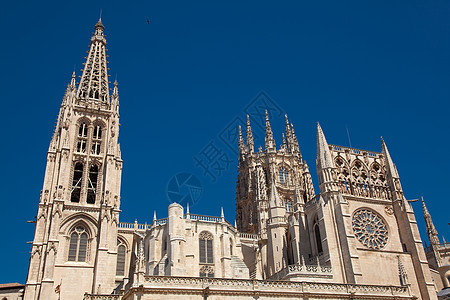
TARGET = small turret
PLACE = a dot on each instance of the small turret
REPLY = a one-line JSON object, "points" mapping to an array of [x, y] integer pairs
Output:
{"points": [[431, 230], [250, 144], [241, 142], [324, 159], [269, 141], [392, 170], [295, 145]]}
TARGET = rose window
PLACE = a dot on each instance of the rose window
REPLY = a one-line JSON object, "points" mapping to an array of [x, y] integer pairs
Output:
{"points": [[370, 229]]}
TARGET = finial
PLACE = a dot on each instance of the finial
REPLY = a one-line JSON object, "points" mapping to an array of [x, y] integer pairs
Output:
{"points": [[72, 81], [295, 147], [187, 208], [116, 88], [221, 212], [241, 140], [269, 141], [154, 215], [99, 24], [305, 166], [250, 145]]}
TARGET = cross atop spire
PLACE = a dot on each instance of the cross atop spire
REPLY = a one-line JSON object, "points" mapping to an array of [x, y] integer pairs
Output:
{"points": [[94, 81]]}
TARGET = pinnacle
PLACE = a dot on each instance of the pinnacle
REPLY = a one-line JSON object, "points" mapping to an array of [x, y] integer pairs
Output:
{"points": [[323, 152], [390, 164], [99, 23]]}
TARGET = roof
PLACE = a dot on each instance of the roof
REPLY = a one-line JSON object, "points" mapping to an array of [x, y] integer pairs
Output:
{"points": [[11, 285]]}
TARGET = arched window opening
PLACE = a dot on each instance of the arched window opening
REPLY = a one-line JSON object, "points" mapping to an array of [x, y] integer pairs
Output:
{"points": [[206, 248], [76, 182], [317, 236], [290, 250], [81, 146], [82, 130], [284, 176], [121, 250], [231, 247], [164, 246], [97, 134], [82, 138], [78, 245], [96, 140], [92, 185]]}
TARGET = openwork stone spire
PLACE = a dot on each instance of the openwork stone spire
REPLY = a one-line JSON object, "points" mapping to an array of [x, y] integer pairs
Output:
{"points": [[94, 81]]}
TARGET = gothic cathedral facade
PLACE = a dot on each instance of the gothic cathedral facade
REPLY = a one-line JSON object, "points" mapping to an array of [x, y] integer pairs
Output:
{"points": [[356, 238]]}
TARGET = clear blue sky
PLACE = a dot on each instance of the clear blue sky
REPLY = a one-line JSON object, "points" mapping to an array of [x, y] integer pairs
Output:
{"points": [[380, 68]]}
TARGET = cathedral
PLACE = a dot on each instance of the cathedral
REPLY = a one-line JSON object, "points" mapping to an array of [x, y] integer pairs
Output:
{"points": [[355, 239]]}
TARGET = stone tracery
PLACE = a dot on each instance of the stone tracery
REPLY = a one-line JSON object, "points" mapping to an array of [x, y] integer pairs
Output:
{"points": [[370, 229]]}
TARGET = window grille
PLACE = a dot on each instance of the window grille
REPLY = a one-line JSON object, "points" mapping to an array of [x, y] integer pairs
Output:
{"points": [[76, 182], [92, 185]]}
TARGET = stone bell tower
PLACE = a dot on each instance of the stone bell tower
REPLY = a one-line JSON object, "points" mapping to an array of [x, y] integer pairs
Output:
{"points": [[75, 241]]}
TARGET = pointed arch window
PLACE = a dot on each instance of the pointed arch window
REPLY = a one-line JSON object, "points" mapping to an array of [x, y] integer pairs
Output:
{"points": [[284, 175], [206, 248], [231, 247], [76, 182], [121, 250], [82, 130], [317, 236], [96, 140], [82, 138], [78, 244], [92, 184]]}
